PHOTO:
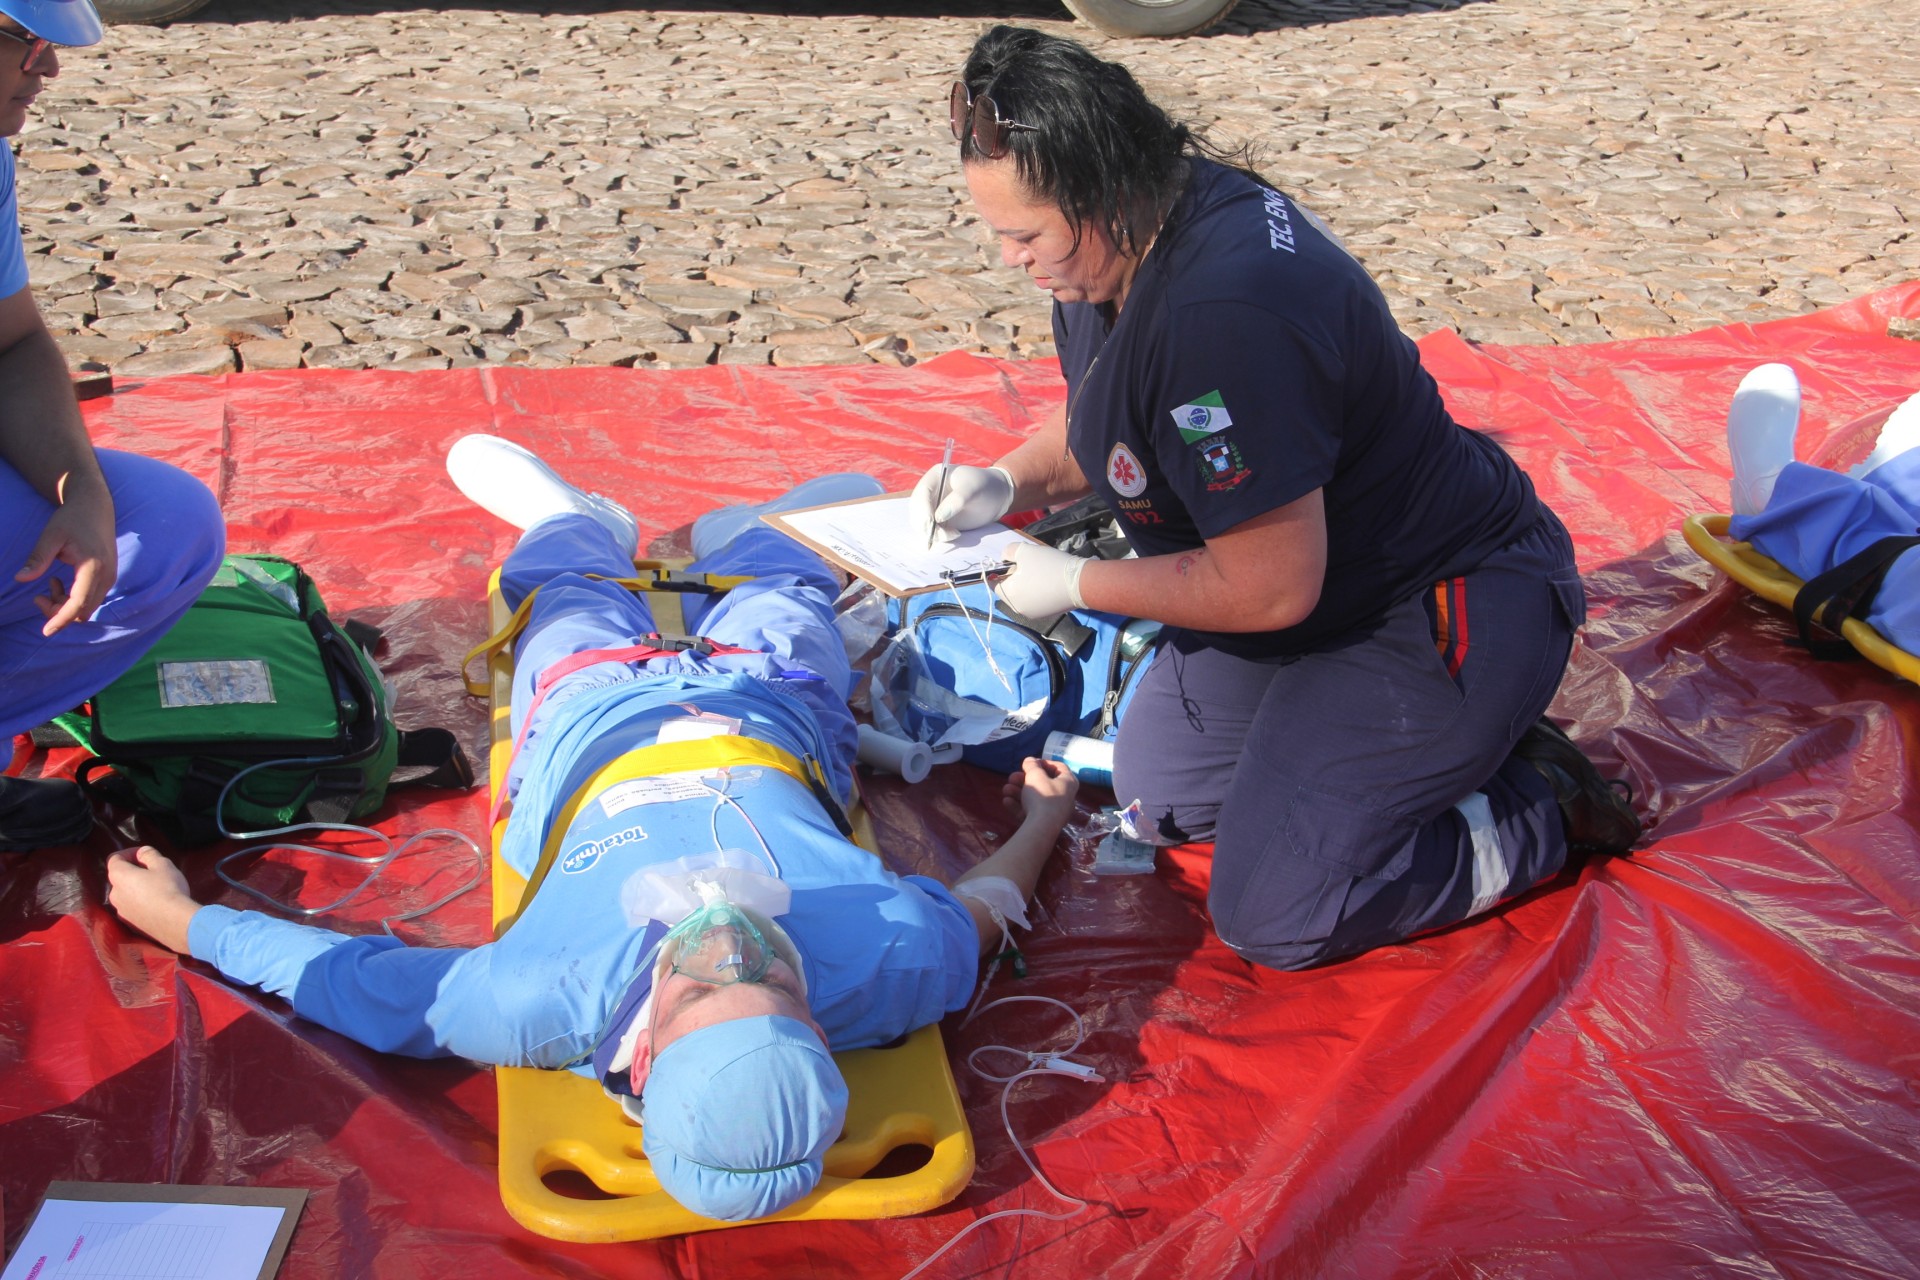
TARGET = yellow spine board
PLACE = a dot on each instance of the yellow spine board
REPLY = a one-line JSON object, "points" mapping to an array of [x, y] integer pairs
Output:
{"points": [[562, 1140]]}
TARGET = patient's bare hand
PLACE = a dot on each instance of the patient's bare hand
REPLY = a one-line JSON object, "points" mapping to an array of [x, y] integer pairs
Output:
{"points": [[150, 894], [1041, 790]]}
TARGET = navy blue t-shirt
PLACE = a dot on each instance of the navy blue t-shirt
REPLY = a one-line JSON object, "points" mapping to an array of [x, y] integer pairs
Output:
{"points": [[1254, 362]]}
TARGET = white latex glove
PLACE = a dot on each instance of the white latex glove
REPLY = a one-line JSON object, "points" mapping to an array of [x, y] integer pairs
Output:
{"points": [[1044, 581], [971, 497]]}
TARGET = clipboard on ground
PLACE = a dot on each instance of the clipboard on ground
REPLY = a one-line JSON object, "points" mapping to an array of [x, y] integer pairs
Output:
{"points": [[872, 539], [136, 1229]]}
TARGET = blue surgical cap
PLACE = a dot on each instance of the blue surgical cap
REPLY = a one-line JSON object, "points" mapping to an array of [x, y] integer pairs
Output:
{"points": [[735, 1117], [67, 22]]}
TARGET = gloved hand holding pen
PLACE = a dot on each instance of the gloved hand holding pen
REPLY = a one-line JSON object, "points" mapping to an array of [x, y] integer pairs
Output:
{"points": [[951, 499]]}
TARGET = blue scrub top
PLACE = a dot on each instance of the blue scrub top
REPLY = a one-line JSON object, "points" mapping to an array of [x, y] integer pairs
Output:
{"points": [[13, 252], [882, 954]]}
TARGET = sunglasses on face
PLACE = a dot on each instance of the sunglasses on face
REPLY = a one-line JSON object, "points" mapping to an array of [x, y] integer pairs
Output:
{"points": [[980, 116], [36, 47]]}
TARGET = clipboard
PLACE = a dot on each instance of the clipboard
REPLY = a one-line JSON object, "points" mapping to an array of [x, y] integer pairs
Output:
{"points": [[872, 539], [167, 1244]]}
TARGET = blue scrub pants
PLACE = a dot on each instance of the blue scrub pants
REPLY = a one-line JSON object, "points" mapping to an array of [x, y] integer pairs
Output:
{"points": [[1817, 519], [785, 614], [170, 538], [1360, 794]]}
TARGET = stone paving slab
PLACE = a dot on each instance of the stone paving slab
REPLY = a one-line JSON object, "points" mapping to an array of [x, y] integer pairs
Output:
{"points": [[277, 185]]}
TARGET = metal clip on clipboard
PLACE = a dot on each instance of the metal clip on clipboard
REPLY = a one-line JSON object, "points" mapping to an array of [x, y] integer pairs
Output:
{"points": [[970, 577]]}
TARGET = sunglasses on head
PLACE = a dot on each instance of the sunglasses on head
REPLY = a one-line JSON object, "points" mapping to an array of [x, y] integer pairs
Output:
{"points": [[982, 118], [36, 47]]}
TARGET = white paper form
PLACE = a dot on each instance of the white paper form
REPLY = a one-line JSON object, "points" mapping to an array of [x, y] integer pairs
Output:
{"points": [[875, 539], [127, 1239]]}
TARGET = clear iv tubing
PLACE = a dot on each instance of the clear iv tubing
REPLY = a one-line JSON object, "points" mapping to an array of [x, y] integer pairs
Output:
{"points": [[375, 864], [1049, 1063], [993, 664], [721, 797]]}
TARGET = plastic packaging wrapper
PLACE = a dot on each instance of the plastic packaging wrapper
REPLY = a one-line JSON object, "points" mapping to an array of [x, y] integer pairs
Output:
{"points": [[909, 701], [1700, 1060]]}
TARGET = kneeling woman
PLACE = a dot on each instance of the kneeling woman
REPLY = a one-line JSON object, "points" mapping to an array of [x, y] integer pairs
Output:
{"points": [[1367, 607]]}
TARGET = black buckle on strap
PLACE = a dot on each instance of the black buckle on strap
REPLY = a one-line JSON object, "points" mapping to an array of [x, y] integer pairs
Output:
{"points": [[682, 644], [681, 580]]}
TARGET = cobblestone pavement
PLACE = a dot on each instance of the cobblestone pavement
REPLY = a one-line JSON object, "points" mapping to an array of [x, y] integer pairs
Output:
{"points": [[277, 184]]}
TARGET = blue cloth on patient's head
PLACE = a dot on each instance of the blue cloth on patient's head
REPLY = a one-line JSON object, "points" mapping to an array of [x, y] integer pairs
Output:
{"points": [[736, 1117]]}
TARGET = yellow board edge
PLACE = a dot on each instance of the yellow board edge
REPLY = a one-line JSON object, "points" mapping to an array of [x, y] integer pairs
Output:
{"points": [[1766, 578]]}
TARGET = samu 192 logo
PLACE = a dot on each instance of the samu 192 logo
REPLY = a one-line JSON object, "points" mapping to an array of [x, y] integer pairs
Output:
{"points": [[1124, 472]]}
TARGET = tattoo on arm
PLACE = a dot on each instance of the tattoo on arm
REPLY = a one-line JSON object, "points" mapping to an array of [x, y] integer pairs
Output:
{"points": [[1186, 564]]}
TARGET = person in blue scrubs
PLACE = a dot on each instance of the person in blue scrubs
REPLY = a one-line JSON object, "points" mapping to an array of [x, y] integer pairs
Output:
{"points": [[102, 551], [725, 1061], [1366, 607], [1812, 520]]}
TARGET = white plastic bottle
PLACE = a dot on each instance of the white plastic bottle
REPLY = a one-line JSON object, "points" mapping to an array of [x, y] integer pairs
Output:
{"points": [[1088, 759]]}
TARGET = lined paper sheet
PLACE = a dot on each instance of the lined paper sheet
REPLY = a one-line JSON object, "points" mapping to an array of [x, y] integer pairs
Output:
{"points": [[874, 539], [132, 1232]]}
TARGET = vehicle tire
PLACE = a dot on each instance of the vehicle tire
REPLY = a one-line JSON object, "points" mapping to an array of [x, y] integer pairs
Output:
{"points": [[1151, 17], [148, 12]]}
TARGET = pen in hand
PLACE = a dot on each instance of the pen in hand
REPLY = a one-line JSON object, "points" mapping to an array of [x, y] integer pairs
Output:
{"points": [[939, 494]]}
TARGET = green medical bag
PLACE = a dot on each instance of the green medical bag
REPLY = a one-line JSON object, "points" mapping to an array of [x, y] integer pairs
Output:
{"points": [[253, 712]]}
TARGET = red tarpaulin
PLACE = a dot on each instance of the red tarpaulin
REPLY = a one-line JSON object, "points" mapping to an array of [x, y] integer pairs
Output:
{"points": [[1700, 1060]]}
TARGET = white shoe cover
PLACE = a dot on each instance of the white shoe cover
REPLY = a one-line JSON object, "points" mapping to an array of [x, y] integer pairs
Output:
{"points": [[1761, 424], [511, 482], [1898, 434]]}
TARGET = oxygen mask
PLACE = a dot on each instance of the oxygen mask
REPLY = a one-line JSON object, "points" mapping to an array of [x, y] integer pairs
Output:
{"points": [[718, 944]]}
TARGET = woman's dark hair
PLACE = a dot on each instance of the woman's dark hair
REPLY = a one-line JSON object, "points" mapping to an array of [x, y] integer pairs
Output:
{"points": [[1096, 147]]}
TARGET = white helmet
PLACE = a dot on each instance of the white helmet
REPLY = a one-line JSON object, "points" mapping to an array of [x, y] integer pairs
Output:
{"points": [[65, 22]]}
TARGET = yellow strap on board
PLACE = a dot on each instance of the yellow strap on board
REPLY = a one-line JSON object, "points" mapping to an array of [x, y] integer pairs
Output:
{"points": [[658, 579], [697, 755]]}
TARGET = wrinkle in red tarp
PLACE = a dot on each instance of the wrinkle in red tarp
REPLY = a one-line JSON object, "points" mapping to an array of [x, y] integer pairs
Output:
{"points": [[1700, 1060]]}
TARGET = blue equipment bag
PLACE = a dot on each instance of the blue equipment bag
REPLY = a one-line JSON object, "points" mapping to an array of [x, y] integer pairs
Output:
{"points": [[1074, 672], [1131, 655]]}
